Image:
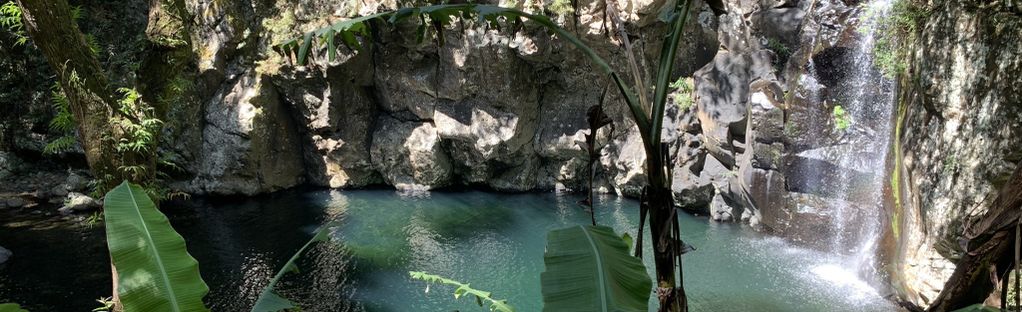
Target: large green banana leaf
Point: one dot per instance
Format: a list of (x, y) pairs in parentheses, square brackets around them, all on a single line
[(589, 268), (154, 270), (11, 307)]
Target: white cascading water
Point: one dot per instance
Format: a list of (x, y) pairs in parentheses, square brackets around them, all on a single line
[(856, 207)]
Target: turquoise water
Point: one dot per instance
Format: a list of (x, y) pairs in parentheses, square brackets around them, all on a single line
[(493, 241)]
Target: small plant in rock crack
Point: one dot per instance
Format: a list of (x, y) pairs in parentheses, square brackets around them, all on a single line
[(842, 120), (682, 94)]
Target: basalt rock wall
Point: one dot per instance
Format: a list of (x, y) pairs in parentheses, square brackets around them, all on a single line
[(960, 137)]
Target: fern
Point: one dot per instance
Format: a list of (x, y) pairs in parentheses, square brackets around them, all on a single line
[(60, 145), (63, 124), (10, 18), (464, 289), (93, 44)]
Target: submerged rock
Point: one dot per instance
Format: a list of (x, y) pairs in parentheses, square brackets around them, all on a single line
[(5, 255), (15, 202)]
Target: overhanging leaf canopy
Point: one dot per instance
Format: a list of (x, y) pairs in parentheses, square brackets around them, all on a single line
[(154, 270), (589, 268)]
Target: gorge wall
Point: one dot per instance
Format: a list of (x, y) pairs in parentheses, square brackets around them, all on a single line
[(959, 137), (753, 123)]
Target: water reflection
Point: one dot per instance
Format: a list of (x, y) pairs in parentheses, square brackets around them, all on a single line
[(493, 241)]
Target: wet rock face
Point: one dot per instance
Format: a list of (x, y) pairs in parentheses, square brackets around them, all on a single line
[(250, 144), (961, 135), (409, 155), (493, 108)]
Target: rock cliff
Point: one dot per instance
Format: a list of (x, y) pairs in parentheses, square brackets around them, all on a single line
[(959, 138)]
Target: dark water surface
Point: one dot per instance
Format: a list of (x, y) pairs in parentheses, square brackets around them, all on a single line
[(493, 241)]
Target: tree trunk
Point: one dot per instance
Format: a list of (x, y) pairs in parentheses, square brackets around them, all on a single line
[(666, 239), (53, 31), (990, 251)]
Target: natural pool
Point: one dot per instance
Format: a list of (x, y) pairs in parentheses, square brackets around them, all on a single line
[(493, 241)]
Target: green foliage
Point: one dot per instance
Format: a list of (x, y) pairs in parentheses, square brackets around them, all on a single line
[(779, 48), (682, 94), (139, 129), (93, 44), (10, 18), (62, 125), (154, 270), (11, 307), (93, 219), (561, 7), (106, 304), (589, 268), (464, 289), (950, 164), (842, 120), (269, 300), (895, 32), (1012, 292)]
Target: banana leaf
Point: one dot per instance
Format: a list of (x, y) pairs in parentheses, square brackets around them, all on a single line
[(154, 270), (11, 307), (589, 268)]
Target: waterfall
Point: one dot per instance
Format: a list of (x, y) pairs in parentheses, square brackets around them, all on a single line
[(863, 99)]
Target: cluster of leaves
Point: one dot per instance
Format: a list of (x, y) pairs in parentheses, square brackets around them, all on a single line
[(11, 307), (464, 289), (895, 31), (682, 94), (62, 125), (950, 164), (842, 120), (561, 7), (779, 48), (139, 130), (10, 18)]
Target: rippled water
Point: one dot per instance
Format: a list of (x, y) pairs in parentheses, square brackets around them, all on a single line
[(493, 241)]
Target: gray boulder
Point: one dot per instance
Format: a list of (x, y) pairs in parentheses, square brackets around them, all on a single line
[(408, 155), (720, 210), (250, 144), (9, 164), (78, 202)]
